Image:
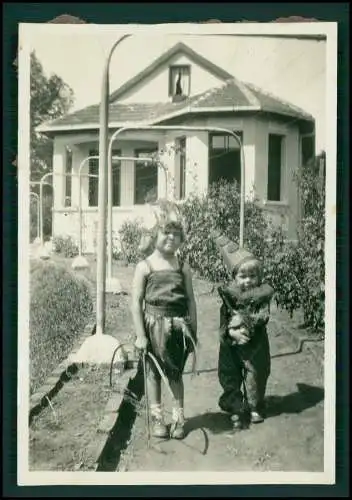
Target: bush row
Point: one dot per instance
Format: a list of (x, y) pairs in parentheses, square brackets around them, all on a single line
[(294, 269), (60, 305)]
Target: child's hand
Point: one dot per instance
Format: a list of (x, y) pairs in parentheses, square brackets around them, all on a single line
[(141, 343), (240, 336)]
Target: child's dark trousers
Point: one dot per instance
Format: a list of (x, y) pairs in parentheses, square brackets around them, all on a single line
[(243, 373)]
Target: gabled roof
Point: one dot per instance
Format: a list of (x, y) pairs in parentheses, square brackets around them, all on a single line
[(164, 58), (232, 96), (119, 115)]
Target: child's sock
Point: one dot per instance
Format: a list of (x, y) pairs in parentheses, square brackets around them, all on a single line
[(156, 411), (178, 415)]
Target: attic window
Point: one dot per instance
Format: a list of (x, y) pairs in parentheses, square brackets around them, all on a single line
[(179, 82)]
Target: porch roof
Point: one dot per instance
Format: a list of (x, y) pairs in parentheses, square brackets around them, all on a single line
[(232, 95)]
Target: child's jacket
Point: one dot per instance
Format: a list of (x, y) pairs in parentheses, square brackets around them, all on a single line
[(251, 305)]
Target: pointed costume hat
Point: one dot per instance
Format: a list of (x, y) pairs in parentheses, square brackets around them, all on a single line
[(232, 255)]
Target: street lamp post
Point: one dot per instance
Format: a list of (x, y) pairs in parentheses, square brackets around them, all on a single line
[(98, 348), (190, 129), (113, 284), (80, 262)]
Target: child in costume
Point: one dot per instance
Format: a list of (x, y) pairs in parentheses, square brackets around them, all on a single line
[(244, 354), (164, 313)]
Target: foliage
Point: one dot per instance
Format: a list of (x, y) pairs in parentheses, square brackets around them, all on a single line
[(51, 98), (219, 209), (297, 270), (130, 236), (65, 245), (283, 270), (311, 236), (60, 305)]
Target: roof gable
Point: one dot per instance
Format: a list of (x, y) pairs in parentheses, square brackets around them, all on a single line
[(179, 48)]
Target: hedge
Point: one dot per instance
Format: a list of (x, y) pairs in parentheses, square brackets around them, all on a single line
[(60, 305)]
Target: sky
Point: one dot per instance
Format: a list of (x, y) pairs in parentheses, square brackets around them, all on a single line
[(294, 70)]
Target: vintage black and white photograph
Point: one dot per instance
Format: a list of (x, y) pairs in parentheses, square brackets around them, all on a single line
[(177, 253)]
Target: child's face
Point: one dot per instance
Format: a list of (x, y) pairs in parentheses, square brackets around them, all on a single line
[(169, 239), (248, 275)]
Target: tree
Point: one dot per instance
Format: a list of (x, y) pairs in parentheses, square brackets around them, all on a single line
[(51, 98)]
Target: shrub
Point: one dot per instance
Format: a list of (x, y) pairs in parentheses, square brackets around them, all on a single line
[(60, 305), (130, 236), (283, 270), (311, 237), (65, 246), (297, 271), (219, 209)]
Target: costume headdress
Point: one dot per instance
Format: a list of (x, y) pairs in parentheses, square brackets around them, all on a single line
[(232, 255), (156, 216)]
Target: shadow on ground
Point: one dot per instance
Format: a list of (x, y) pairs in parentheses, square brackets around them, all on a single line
[(307, 396)]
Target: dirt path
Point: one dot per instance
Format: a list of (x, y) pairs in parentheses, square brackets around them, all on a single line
[(291, 438)]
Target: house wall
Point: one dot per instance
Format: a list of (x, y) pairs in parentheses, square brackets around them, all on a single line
[(255, 145), (156, 87), (284, 212)]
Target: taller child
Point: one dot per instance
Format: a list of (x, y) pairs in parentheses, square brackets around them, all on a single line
[(164, 314)]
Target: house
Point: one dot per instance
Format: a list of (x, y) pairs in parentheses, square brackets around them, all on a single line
[(181, 87)]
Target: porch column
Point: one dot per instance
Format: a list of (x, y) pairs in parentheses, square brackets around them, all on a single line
[(261, 159), (290, 188), (127, 178), (83, 153), (249, 150), (59, 157), (197, 163), (78, 155), (166, 187)]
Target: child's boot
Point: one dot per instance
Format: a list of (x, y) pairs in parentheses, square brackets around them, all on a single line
[(237, 421), (256, 417), (178, 425), (159, 428)]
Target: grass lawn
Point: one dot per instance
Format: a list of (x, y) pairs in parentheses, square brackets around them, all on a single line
[(59, 436)]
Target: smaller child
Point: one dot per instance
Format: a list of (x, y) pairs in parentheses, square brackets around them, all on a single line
[(244, 354)]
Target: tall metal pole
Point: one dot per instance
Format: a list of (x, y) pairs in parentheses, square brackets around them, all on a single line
[(188, 128), (103, 146)]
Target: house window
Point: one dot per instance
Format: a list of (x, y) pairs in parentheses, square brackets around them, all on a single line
[(224, 158), (179, 81), (146, 178), (94, 181), (275, 155), (307, 148), (68, 177)]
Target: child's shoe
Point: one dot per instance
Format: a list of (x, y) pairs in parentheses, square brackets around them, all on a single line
[(237, 421), (177, 430), (159, 429), (256, 417)]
